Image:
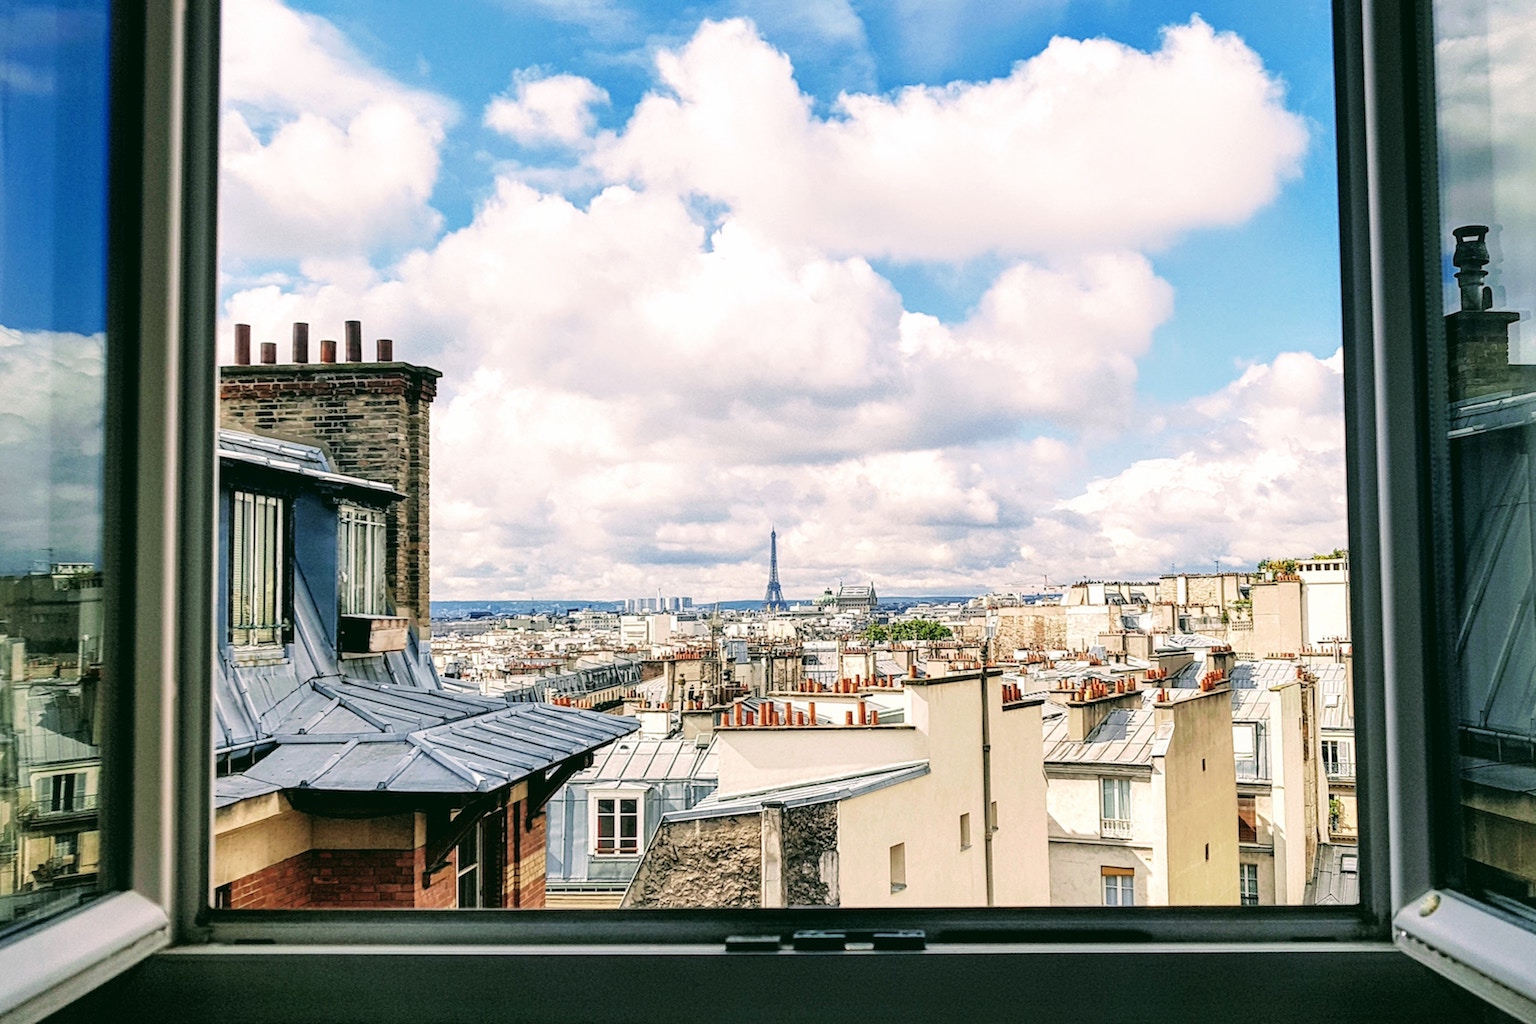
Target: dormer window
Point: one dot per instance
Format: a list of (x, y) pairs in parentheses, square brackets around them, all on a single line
[(360, 560), (256, 570)]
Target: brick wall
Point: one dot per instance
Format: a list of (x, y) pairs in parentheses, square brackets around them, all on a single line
[(356, 879), (281, 886), (443, 893), (523, 882), (374, 420)]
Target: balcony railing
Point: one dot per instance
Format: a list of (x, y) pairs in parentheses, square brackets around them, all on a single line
[(38, 811), (1339, 769), (1115, 828)]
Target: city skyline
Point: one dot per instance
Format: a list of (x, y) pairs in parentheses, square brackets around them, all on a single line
[(819, 267)]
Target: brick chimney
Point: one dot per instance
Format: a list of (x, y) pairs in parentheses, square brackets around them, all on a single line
[(372, 418)]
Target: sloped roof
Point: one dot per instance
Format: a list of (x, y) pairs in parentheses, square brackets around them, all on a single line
[(653, 760), (803, 794), (1124, 738), (288, 457), (1330, 884), (474, 754), (57, 729)]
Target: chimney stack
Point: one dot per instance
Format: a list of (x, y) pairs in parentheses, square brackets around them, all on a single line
[(374, 420), (386, 350)]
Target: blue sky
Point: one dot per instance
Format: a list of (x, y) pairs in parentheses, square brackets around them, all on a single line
[(53, 138), (695, 291)]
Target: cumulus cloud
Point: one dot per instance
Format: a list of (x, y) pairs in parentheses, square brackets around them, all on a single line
[(319, 152), (1090, 145), (552, 109), (50, 447), (1260, 475), (640, 383)]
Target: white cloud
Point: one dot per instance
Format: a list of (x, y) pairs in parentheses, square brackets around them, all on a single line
[(1260, 474), (1090, 145), (556, 108), (50, 447), (638, 385), (320, 153)]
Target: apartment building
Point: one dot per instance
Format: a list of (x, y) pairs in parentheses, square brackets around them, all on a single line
[(826, 800), (1141, 795)]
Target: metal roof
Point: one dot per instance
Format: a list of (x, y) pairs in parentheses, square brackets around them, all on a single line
[(287, 457), (231, 789), (57, 729), (1338, 713), (803, 794), (631, 760), (1125, 737), (474, 754), (1330, 883)]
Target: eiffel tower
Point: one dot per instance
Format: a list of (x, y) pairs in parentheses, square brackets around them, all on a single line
[(773, 600)]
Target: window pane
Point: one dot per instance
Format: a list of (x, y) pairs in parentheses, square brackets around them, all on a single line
[(749, 396), (53, 162), (1487, 114)]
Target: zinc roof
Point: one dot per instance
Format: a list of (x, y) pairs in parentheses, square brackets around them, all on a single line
[(285, 456), (1125, 737), (652, 760), (804, 794), (474, 754)]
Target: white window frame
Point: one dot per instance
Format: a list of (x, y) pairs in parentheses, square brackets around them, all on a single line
[(1119, 888), (594, 814), (1115, 795), (1248, 885), (1300, 958), (258, 552), (360, 555)]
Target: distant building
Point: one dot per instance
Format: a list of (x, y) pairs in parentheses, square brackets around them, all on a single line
[(1141, 796), (832, 804)]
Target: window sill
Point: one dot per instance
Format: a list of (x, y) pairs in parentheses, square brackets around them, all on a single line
[(48, 966), (1294, 981)]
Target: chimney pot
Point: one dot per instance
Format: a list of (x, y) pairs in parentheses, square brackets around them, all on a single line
[(301, 343), (385, 350), (327, 350), (354, 341), (243, 344), (268, 353)]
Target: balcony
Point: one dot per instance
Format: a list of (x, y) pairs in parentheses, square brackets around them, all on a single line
[(79, 807), (1337, 769), (1115, 828)]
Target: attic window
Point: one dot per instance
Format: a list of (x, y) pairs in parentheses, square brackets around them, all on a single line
[(256, 571), (360, 560)]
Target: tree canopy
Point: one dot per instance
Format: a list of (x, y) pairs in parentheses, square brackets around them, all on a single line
[(915, 629)]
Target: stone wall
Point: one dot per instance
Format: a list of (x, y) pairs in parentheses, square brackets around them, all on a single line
[(1035, 627), (810, 855), (373, 419), (709, 862)]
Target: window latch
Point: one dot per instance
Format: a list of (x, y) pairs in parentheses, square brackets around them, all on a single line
[(809, 941)]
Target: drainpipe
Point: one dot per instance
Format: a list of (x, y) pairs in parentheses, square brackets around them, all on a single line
[(989, 826)]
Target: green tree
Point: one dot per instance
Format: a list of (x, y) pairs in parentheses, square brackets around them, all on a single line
[(875, 633), (920, 629)]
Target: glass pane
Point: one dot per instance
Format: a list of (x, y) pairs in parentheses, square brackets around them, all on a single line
[(53, 165), (737, 381), (1487, 131)]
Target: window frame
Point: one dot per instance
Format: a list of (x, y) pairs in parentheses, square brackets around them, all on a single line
[(278, 588), (354, 520), (617, 794), (400, 964)]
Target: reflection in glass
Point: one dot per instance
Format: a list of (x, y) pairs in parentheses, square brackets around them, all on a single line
[(53, 148), (1487, 113)]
